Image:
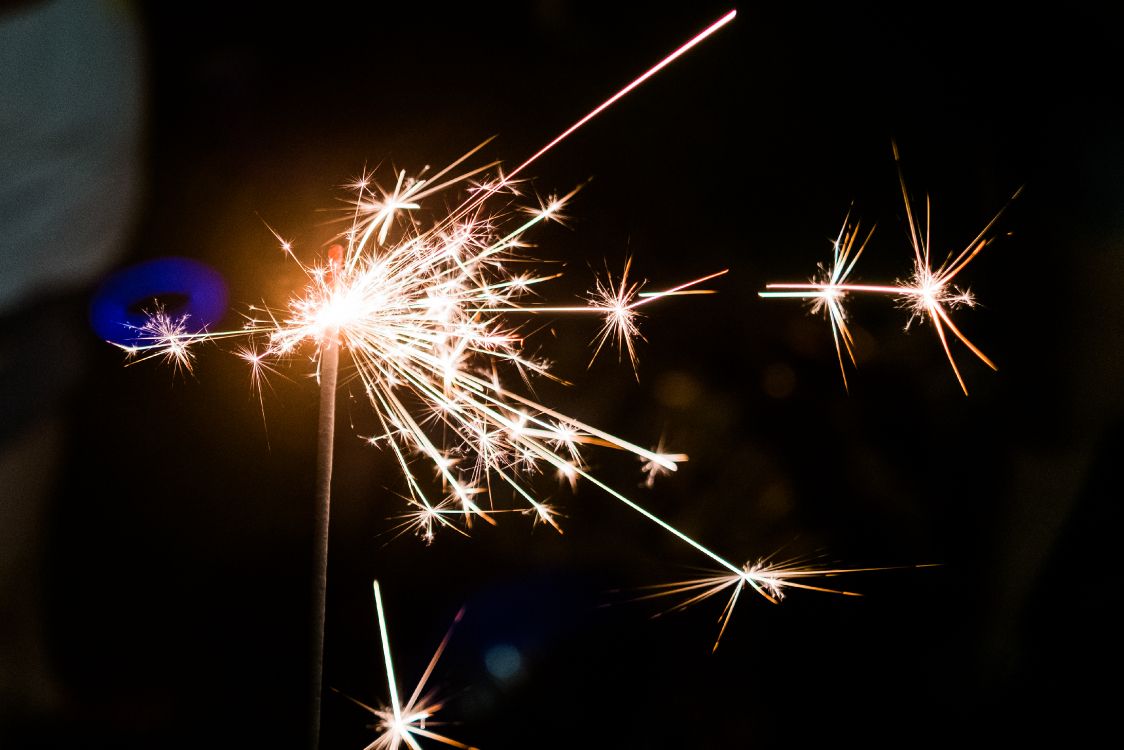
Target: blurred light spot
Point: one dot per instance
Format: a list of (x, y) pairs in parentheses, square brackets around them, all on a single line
[(181, 287), (504, 662), (677, 390), (778, 380)]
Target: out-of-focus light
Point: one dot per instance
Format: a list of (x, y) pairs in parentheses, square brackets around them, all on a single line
[(185, 290)]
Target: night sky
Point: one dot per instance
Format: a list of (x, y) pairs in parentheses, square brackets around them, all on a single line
[(177, 550)]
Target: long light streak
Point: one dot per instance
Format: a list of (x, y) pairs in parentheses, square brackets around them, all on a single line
[(402, 723), (697, 39)]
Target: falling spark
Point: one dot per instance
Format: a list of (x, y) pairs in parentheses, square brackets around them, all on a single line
[(928, 294), (404, 723)]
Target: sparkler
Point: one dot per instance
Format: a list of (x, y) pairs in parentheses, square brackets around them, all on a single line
[(928, 294), (424, 310), (424, 318), (403, 723), (427, 315)]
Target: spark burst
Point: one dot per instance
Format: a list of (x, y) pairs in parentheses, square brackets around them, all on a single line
[(428, 321), (403, 723), (426, 312), (165, 336), (928, 294), (768, 578)]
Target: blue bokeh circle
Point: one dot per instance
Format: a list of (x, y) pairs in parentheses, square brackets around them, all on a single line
[(123, 303)]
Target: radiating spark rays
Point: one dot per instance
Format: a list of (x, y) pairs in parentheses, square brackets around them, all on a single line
[(425, 310), (620, 317), (619, 301), (166, 337), (401, 723), (408, 312), (767, 578), (830, 290), (928, 294), (427, 356)]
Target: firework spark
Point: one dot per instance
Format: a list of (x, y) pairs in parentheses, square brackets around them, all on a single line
[(830, 290), (404, 723), (928, 294), (430, 314), (165, 336), (766, 577)]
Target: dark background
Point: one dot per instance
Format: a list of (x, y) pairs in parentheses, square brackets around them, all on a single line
[(179, 540)]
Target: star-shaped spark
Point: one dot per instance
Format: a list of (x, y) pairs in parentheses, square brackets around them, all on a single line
[(829, 290), (165, 336), (402, 724), (770, 579), (431, 323), (929, 293)]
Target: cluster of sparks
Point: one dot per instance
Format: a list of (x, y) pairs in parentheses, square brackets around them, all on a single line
[(431, 321), (928, 294), (432, 315), (428, 321)]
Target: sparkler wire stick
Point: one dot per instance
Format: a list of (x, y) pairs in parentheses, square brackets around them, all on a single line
[(325, 448)]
